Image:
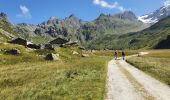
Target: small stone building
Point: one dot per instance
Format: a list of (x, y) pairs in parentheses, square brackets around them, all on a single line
[(19, 41), (59, 41)]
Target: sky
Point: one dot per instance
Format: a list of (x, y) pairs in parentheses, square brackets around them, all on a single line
[(37, 11)]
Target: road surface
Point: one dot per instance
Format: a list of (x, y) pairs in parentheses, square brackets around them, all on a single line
[(125, 82)]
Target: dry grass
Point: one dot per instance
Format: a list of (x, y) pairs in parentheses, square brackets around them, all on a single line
[(30, 77)]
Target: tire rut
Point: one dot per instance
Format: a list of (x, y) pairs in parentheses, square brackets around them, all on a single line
[(138, 87)]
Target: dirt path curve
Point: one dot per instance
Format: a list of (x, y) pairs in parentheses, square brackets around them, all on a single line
[(125, 82)]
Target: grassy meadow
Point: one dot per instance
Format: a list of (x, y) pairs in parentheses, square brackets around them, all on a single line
[(156, 64), (29, 77)]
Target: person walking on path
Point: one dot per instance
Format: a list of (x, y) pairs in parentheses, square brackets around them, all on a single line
[(123, 55), (116, 54)]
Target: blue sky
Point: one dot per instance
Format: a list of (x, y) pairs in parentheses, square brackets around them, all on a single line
[(36, 11)]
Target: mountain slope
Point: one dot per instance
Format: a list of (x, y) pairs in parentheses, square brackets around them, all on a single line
[(6, 28), (110, 24), (156, 36)]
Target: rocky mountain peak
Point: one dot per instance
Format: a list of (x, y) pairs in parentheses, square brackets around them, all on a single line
[(53, 21), (72, 16), (3, 15), (73, 21), (157, 15), (53, 18), (102, 15), (128, 15)]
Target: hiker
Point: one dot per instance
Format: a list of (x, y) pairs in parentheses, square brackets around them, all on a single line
[(123, 55), (116, 54)]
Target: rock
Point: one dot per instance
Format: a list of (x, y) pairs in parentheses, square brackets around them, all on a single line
[(82, 48), (14, 51), (52, 57), (85, 55), (75, 53), (93, 51)]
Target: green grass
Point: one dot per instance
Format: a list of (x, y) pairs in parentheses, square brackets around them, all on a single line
[(156, 64), (41, 39), (29, 77)]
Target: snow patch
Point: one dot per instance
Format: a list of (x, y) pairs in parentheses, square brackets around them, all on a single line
[(145, 19)]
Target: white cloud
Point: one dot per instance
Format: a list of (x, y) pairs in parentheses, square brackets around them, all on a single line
[(105, 4), (166, 3), (25, 13)]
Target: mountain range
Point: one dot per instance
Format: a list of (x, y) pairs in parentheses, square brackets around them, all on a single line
[(76, 29), (123, 30)]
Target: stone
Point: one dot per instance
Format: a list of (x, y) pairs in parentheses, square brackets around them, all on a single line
[(82, 48), (13, 51), (85, 55), (52, 57), (75, 53), (93, 51)]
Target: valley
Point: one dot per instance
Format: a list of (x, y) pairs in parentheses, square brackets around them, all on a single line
[(68, 58)]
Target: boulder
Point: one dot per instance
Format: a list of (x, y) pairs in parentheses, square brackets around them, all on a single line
[(93, 51), (82, 48), (75, 53), (13, 51), (85, 55), (52, 57)]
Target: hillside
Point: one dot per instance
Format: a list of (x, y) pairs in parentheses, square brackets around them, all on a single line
[(6, 28), (110, 24), (156, 36)]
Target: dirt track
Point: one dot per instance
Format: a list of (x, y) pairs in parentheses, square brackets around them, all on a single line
[(125, 82)]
